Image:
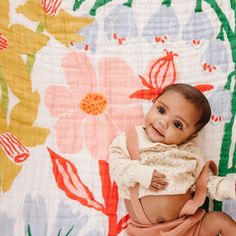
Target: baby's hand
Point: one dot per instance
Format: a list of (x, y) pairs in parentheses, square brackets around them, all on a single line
[(158, 181)]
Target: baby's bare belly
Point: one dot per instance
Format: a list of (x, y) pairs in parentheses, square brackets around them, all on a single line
[(161, 208)]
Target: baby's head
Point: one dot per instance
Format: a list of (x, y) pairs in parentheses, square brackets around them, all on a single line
[(177, 114)]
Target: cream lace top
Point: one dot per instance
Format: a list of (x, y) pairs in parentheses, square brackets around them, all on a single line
[(180, 164)]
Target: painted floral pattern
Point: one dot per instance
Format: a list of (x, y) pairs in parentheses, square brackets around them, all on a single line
[(69, 181), (68, 222), (162, 27), (62, 26), (198, 29), (17, 121), (90, 34), (120, 25), (75, 73), (160, 73), (215, 57), (35, 215), (51, 7), (229, 207), (36, 218), (7, 224), (220, 102), (13, 148), (89, 104)]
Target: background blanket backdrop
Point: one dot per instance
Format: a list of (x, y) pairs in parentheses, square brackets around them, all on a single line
[(75, 73)]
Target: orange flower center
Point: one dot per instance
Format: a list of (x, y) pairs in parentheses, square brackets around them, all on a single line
[(93, 103)]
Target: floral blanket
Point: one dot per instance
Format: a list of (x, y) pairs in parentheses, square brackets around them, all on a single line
[(75, 73)]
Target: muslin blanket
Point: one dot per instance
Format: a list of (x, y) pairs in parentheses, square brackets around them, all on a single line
[(73, 74)]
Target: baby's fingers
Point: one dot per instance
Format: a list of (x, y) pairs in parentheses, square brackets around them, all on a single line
[(158, 174), (158, 180), (156, 186)]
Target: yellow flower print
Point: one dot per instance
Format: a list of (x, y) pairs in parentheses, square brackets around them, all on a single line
[(19, 122), (19, 40), (62, 26), (8, 172)]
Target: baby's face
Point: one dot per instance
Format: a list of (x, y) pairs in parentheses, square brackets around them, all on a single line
[(171, 119)]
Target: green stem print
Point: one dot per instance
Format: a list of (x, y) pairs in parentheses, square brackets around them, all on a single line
[(198, 7), (97, 4), (227, 144), (68, 233), (28, 231), (220, 36), (70, 230), (128, 3), (77, 4), (31, 58), (4, 94), (166, 3)]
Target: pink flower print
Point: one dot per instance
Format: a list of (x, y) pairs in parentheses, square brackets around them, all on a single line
[(215, 57), (90, 113), (220, 102), (120, 25), (50, 7), (197, 30), (162, 26)]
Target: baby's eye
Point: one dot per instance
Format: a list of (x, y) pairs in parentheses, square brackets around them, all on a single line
[(161, 110), (178, 125)]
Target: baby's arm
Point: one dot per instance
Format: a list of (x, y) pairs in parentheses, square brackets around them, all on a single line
[(127, 172), (221, 188), (218, 187)]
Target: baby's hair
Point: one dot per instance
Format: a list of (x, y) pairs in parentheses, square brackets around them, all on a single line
[(196, 97)]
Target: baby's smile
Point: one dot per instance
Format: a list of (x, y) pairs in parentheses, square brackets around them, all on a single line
[(158, 131)]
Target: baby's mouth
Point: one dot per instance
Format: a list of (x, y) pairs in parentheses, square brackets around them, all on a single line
[(158, 132)]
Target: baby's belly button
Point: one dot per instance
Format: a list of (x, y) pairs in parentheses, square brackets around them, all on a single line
[(160, 209)]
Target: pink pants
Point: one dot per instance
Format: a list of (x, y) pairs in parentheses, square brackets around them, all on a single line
[(184, 226)]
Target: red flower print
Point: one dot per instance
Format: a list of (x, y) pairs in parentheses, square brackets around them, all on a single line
[(3, 42), (68, 180), (50, 6), (161, 72), (13, 148)]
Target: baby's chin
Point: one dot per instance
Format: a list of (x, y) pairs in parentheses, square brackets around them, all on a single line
[(154, 138)]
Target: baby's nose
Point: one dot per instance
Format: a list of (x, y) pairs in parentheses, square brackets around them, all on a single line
[(163, 123)]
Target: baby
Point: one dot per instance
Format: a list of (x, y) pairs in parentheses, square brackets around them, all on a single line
[(157, 168)]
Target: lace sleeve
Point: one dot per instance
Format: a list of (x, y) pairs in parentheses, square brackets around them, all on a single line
[(221, 188), (127, 172), (218, 188)]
